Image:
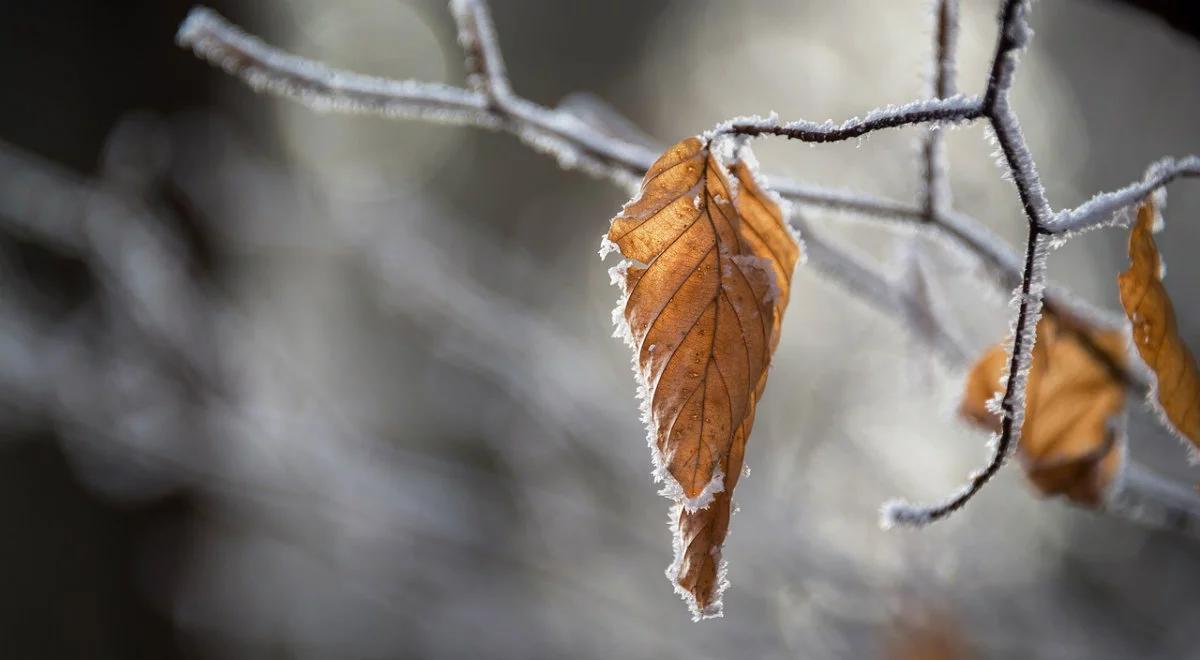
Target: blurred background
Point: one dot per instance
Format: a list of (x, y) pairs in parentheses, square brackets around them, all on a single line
[(277, 384)]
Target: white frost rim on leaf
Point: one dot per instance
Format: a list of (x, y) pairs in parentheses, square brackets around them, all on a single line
[(1148, 375), (671, 488)]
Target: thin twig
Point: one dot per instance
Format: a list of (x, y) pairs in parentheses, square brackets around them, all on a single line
[(936, 197), (936, 192), (269, 69), (951, 109), (477, 35), (1101, 209)]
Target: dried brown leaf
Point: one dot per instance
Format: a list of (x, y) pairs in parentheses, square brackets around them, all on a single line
[(704, 287), (1068, 444), (1155, 333)]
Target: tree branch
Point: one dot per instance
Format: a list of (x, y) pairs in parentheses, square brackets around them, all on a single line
[(936, 192), (952, 109), (268, 69), (1144, 497), (1100, 210), (477, 36)]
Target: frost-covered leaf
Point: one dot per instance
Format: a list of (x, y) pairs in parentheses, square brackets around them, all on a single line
[(1068, 443), (1155, 334), (704, 285)]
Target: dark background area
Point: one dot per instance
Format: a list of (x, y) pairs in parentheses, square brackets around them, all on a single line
[(71, 564)]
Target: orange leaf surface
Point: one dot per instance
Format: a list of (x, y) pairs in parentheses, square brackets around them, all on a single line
[(1068, 446), (704, 286), (1155, 334)]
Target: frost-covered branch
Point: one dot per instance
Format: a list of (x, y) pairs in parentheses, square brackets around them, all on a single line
[(948, 110), (322, 88), (477, 36), (945, 48), (1099, 210), (936, 190), (1012, 402), (1014, 36), (556, 132), (935, 211)]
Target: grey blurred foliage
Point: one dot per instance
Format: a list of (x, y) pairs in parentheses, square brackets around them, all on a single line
[(374, 356)]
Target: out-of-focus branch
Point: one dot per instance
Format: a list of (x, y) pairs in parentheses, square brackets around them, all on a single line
[(860, 277), (477, 36), (1141, 495), (139, 262), (936, 190)]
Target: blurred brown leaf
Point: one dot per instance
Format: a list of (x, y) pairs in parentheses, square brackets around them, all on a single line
[(704, 294), (1068, 445), (1155, 333), (926, 634)]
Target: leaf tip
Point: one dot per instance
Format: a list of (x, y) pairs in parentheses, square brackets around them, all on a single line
[(704, 598)]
